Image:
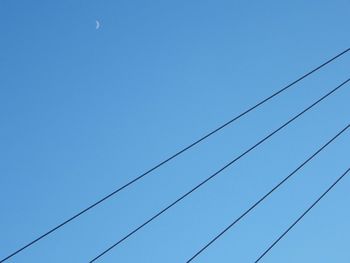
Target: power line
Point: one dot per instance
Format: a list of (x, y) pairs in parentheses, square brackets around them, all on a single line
[(174, 156), (301, 217), (267, 194), (219, 171)]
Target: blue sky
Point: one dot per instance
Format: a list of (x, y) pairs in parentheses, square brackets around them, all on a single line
[(83, 111)]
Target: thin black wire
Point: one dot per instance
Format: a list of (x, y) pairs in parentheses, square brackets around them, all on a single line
[(175, 155), (267, 194), (219, 171), (301, 217)]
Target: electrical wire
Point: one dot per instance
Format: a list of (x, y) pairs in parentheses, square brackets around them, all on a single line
[(251, 208), (173, 156), (220, 170), (302, 216)]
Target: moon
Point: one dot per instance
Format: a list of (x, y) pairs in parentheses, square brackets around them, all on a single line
[(98, 24)]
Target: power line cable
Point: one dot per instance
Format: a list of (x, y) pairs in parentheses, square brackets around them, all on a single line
[(174, 156), (219, 171), (302, 216), (251, 208)]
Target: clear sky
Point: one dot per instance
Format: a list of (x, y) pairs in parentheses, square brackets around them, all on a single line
[(83, 111)]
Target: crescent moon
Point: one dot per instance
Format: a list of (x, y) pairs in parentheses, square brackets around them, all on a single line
[(97, 24)]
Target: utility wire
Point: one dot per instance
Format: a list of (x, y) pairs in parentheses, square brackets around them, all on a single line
[(302, 216), (175, 155), (267, 194), (219, 171)]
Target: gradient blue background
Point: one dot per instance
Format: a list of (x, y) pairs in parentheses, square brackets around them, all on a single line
[(83, 111)]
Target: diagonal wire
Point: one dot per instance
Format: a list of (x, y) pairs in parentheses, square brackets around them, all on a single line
[(267, 194), (220, 170), (174, 156), (302, 216)]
